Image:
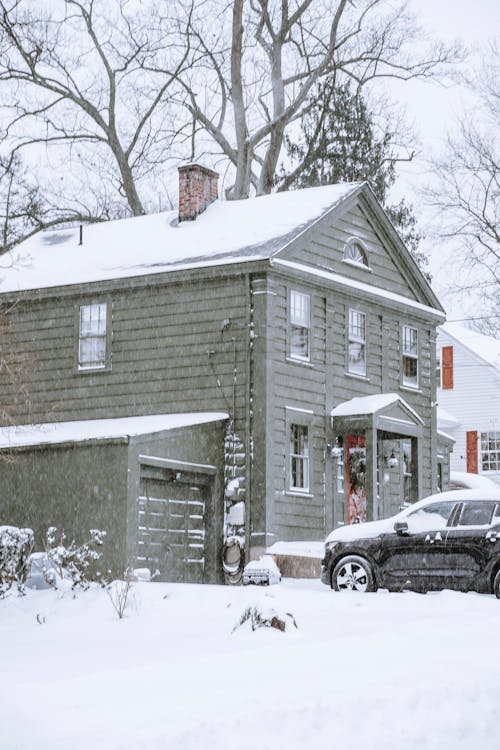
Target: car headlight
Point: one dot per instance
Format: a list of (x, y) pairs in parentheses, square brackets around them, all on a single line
[(329, 546)]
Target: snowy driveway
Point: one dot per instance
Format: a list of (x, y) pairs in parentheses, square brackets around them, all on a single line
[(361, 671)]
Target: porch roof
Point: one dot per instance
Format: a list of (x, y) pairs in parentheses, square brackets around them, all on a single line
[(381, 411)]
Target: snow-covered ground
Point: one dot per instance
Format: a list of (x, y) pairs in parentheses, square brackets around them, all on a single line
[(363, 671)]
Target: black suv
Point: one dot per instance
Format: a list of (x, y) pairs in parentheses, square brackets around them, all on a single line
[(447, 541)]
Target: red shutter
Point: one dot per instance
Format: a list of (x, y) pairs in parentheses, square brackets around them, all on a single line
[(447, 367), (471, 450)]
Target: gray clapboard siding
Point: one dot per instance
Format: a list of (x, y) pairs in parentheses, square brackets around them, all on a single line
[(325, 245), (160, 341)]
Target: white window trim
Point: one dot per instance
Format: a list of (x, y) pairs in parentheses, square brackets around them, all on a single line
[(487, 451), (295, 357), (364, 251), (89, 366), (357, 340), (410, 385), (304, 417), (305, 457)]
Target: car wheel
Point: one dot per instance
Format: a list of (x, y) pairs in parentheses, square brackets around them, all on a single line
[(496, 585), (353, 573)]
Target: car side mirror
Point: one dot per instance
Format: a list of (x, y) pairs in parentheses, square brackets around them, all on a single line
[(401, 528)]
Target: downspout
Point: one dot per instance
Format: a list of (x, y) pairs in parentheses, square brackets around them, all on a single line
[(248, 415)]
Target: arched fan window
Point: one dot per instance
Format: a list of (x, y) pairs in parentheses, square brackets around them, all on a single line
[(354, 252)]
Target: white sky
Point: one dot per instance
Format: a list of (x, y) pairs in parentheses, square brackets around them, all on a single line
[(433, 109)]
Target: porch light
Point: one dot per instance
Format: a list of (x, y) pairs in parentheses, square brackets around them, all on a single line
[(337, 450), (392, 461)]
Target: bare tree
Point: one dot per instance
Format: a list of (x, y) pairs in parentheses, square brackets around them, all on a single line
[(467, 190), (93, 78), (24, 208), (263, 68), (469, 175)]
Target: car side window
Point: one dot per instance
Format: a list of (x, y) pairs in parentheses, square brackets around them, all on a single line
[(431, 518), (476, 514)]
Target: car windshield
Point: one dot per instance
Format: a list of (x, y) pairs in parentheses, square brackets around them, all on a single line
[(433, 517)]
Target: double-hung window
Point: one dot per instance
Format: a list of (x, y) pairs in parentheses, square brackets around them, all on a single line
[(490, 450), (357, 343), (92, 336), (300, 325), (410, 356), (299, 457)]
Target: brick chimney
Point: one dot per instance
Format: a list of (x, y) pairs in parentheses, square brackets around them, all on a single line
[(197, 189)]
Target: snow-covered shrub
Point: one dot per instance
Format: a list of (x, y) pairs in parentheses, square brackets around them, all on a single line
[(15, 549), (259, 617), (71, 559)]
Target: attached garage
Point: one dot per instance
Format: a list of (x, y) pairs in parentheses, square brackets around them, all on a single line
[(154, 484), (175, 518)]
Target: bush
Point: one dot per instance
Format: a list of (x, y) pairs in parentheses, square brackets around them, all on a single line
[(74, 561), (15, 549)]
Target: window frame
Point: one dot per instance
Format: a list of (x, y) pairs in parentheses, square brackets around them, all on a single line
[(105, 336), (485, 440), (353, 339), (301, 418), (356, 241), (306, 325), (408, 354)]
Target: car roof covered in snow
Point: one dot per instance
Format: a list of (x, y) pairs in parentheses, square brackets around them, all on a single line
[(371, 529)]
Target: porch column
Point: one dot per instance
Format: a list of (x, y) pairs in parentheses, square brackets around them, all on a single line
[(372, 510)]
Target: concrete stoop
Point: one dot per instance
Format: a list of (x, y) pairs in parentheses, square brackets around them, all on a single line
[(297, 566)]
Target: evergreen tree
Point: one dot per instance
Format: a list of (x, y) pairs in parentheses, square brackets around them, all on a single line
[(339, 142)]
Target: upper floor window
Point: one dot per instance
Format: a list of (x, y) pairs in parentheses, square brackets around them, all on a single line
[(92, 336), (357, 342), (300, 325), (410, 356), (299, 457), (355, 253)]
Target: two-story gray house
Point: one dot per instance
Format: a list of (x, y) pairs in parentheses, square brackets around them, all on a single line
[(234, 374)]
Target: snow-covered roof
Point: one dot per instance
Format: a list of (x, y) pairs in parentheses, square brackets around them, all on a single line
[(486, 347), (234, 231), (446, 420), (361, 286), (474, 481), (100, 429), (371, 405)]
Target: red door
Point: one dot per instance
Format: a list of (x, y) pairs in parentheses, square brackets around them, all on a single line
[(356, 478)]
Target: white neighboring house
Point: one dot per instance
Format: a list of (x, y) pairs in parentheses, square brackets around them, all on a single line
[(469, 398)]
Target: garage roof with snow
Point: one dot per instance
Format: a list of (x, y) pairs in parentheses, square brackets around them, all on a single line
[(52, 433)]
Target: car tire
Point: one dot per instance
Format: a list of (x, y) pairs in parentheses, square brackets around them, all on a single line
[(353, 573), (496, 585)]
